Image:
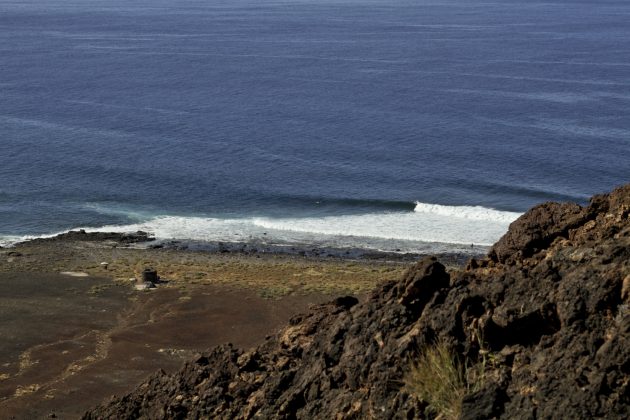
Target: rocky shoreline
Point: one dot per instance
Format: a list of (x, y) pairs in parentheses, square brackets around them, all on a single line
[(83, 236), (544, 319), (147, 240)]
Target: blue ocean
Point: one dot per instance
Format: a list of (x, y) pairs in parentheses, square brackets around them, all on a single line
[(380, 124)]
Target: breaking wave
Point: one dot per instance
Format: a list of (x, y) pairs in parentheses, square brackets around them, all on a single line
[(428, 228), (467, 212)]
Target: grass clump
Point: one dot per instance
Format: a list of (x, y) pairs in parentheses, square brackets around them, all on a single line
[(441, 379)]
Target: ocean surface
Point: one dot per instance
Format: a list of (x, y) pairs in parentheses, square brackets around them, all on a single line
[(379, 124)]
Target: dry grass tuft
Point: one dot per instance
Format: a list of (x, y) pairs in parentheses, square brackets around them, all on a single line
[(441, 380)]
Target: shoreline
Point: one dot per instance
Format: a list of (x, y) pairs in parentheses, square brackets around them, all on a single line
[(144, 240), (429, 229), (112, 336), (270, 270)]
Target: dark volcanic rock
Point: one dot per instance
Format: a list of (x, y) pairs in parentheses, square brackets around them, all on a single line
[(536, 229), (82, 235), (421, 282), (550, 304)]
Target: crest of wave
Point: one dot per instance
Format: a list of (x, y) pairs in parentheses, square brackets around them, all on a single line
[(467, 212)]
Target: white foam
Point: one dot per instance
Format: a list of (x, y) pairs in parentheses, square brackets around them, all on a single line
[(428, 223), (467, 212), (10, 240), (411, 231), (422, 230)]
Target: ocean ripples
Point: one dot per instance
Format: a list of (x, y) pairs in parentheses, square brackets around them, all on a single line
[(387, 125)]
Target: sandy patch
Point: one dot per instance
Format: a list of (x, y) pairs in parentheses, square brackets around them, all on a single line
[(74, 274)]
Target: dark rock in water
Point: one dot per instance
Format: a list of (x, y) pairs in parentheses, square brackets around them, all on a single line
[(82, 235), (547, 315)]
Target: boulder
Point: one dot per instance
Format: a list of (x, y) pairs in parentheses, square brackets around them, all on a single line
[(537, 229)]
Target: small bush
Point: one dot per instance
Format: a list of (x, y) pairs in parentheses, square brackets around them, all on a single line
[(441, 380)]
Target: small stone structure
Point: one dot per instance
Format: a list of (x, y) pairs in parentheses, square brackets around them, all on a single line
[(147, 279), (149, 275)]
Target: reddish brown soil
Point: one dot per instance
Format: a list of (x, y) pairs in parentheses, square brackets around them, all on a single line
[(68, 343)]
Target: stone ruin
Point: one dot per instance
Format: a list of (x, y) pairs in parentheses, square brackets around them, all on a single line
[(147, 280)]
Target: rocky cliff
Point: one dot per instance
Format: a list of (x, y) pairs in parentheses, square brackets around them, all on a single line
[(546, 316)]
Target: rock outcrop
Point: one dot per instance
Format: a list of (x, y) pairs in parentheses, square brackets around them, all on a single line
[(83, 236), (547, 312)]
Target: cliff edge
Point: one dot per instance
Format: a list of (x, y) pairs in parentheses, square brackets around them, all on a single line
[(544, 318)]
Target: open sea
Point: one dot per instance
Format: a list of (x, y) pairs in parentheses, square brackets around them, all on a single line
[(418, 126)]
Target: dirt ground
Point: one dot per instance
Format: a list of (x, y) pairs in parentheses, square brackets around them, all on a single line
[(69, 342), (66, 348)]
